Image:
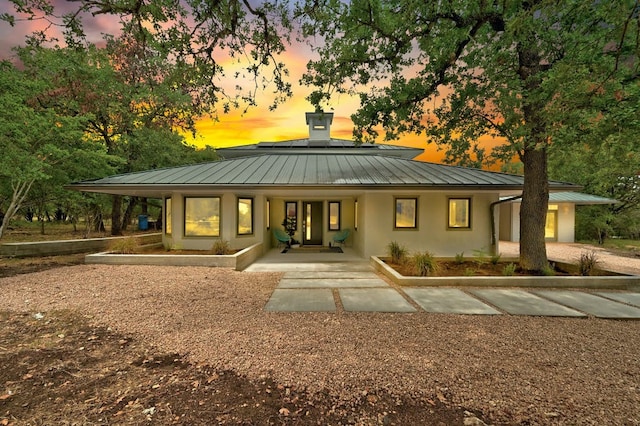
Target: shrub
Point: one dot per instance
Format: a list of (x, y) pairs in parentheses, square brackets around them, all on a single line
[(221, 247), (397, 253), (509, 270), (587, 263), (495, 259), (425, 264), (459, 259), (548, 271), (469, 272), (123, 245)]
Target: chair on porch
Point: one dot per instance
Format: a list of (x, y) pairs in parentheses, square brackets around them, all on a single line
[(281, 236), (341, 237)]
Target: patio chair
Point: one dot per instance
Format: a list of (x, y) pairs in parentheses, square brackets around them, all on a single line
[(281, 236), (341, 237)]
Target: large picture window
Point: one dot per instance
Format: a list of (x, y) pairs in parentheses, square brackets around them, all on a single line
[(459, 213), (334, 215), (406, 214), (245, 216), (167, 216), (202, 217)]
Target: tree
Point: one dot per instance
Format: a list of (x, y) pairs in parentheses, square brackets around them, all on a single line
[(36, 143), (459, 70)]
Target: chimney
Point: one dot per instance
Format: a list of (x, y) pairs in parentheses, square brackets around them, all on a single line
[(319, 125)]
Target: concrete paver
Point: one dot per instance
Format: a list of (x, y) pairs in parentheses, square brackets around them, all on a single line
[(591, 304), (520, 302), (331, 283), (330, 274), (308, 300), (373, 300), (449, 300), (629, 298)]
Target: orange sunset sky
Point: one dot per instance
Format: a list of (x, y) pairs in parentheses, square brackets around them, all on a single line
[(237, 127)]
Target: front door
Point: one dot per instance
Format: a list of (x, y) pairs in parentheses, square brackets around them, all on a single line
[(551, 226), (312, 223)]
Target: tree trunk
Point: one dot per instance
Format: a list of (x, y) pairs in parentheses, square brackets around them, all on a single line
[(116, 215), (126, 220), (533, 211)]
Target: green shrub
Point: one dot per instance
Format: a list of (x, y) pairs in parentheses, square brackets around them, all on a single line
[(495, 259), (587, 263), (425, 264), (127, 245), (480, 256), (397, 253), (459, 259), (548, 271), (221, 247), (509, 270), (469, 272)]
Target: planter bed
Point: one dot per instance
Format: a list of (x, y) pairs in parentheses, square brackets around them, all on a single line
[(613, 281), (237, 261)]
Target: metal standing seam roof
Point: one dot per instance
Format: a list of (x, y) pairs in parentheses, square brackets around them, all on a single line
[(311, 170), (576, 198)]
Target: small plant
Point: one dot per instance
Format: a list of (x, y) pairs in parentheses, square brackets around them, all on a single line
[(480, 256), (587, 263), (459, 259), (509, 270), (127, 245), (397, 253), (425, 264), (548, 271), (469, 272), (221, 247), (495, 259)]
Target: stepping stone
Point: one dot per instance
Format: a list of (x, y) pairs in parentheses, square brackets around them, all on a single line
[(331, 283), (449, 301), (520, 302), (329, 274), (629, 298), (304, 300), (592, 304), (374, 300)]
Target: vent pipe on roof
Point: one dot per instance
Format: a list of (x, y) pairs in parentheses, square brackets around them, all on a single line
[(319, 125)]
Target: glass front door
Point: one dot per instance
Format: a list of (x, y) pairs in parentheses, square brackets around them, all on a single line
[(312, 223)]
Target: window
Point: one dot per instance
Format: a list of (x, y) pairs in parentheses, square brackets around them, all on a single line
[(268, 218), (202, 217), (459, 213), (245, 216), (291, 216), (167, 216), (334, 215), (406, 213)]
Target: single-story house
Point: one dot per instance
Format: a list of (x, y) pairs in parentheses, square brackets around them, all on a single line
[(561, 216), (324, 186)]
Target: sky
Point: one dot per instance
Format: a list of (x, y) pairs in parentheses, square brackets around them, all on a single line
[(237, 127)]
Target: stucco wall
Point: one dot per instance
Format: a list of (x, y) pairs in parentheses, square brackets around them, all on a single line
[(432, 233), (565, 228)]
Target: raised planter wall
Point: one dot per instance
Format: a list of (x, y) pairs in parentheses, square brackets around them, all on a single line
[(237, 261), (620, 282), (54, 248)]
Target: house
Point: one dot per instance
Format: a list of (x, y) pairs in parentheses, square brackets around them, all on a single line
[(324, 185), (561, 214)]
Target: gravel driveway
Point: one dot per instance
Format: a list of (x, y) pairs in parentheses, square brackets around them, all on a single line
[(513, 370)]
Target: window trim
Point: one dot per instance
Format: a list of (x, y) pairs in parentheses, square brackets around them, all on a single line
[(469, 213), (184, 220), (268, 212), (238, 199), (395, 213), (329, 203), (355, 215), (167, 220)]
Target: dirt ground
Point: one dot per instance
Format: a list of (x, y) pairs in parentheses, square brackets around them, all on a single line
[(57, 368)]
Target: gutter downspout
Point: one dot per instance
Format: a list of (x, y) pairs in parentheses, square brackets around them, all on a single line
[(492, 216)]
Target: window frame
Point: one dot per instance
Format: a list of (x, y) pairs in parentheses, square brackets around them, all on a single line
[(395, 213), (294, 206), (252, 204), (355, 215), (184, 222), (339, 224), (167, 215), (268, 212), (469, 214)]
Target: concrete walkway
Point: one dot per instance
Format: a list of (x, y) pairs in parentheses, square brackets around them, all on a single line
[(344, 282)]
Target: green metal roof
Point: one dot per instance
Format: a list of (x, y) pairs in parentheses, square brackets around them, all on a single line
[(307, 171), (575, 197)]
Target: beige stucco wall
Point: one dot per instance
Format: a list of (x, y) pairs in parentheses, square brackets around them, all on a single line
[(432, 233), (565, 226)]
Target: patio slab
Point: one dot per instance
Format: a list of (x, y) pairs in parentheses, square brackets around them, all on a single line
[(331, 283), (301, 300), (592, 304), (374, 300), (449, 301), (520, 302), (329, 274), (629, 298)]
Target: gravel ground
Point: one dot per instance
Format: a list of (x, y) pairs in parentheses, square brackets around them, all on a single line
[(512, 370), (570, 252)]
